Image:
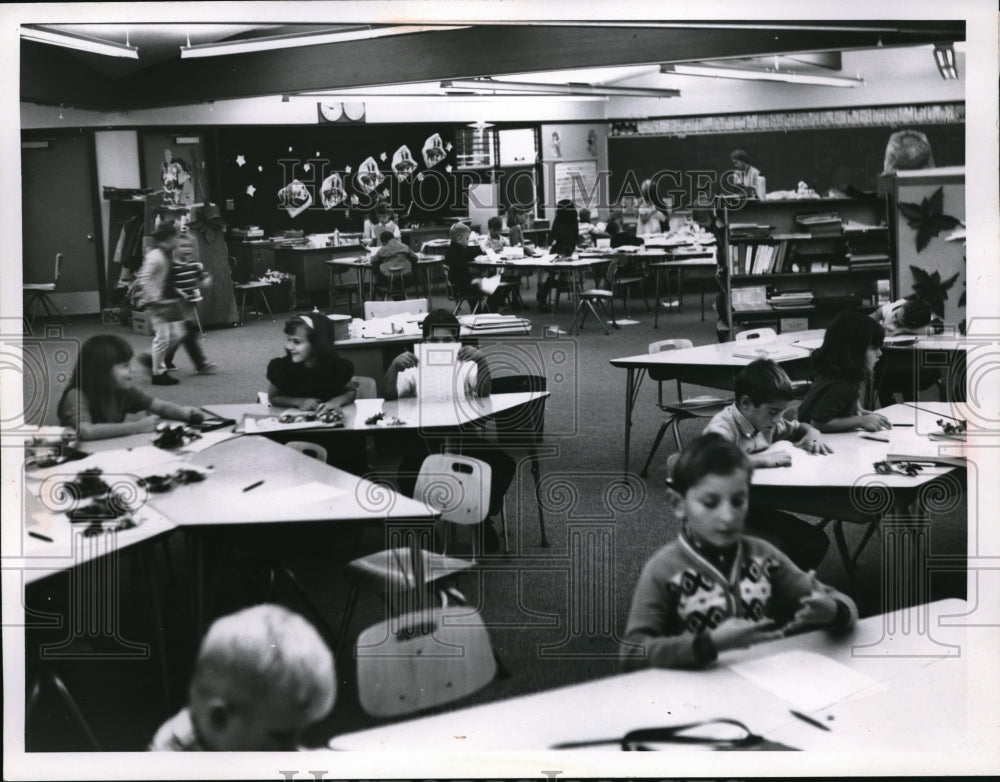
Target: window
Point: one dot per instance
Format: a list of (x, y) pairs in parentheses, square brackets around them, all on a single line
[(518, 147), (475, 147)]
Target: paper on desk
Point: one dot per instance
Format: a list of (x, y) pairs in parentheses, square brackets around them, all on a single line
[(808, 344), (143, 460), (807, 680), (289, 496)]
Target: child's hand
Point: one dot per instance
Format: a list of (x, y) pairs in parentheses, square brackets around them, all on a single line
[(147, 424), (193, 415), (813, 445), (469, 353), (776, 459), (874, 422), (815, 609), (404, 361), (739, 633), (326, 407), (309, 404)]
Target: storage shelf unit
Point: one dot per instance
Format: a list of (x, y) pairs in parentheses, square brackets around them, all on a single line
[(834, 254)]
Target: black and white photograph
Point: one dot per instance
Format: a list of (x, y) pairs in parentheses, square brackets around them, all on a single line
[(657, 411)]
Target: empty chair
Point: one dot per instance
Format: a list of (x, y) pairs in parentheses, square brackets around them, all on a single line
[(309, 449), (621, 278), (423, 659), (593, 302), (698, 407), (459, 488), (383, 309), (760, 335), (255, 288), (36, 293)]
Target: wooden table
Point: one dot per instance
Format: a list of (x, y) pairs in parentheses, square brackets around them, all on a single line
[(888, 686), (715, 365)]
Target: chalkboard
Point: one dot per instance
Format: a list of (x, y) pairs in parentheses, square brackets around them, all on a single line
[(823, 158)]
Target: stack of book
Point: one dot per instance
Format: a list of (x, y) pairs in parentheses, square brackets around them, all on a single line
[(749, 232), (821, 223), (792, 300)]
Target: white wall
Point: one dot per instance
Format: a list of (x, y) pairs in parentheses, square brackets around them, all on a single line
[(572, 146), (117, 166)]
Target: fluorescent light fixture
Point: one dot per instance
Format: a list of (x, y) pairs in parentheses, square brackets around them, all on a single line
[(292, 40), (944, 56), (186, 139), (571, 88), (438, 97), (45, 145), (83, 43), (750, 74)]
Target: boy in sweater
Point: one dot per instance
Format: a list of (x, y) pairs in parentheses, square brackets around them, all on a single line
[(714, 589), (187, 275)]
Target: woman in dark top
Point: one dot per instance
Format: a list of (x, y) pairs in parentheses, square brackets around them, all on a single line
[(565, 233), (311, 375)]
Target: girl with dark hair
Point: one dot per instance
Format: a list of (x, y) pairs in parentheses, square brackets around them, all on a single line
[(100, 394), (565, 232), (845, 364), (311, 375)]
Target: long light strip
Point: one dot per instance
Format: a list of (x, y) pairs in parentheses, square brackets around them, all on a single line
[(305, 39), (81, 43), (429, 97), (749, 74), (572, 88)]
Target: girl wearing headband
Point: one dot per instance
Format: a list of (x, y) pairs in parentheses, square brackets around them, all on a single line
[(311, 375)]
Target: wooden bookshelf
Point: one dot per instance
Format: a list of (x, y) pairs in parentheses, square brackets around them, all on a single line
[(817, 256)]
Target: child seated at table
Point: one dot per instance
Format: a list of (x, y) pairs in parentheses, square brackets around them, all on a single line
[(467, 286), (565, 232), (262, 676), (393, 255), (494, 241), (100, 400), (585, 229), (311, 375), (753, 422), (845, 365), (402, 379), (714, 588), (894, 373), (382, 222)]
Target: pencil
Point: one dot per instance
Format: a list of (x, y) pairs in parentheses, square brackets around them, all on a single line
[(876, 439), (255, 485), (806, 718)]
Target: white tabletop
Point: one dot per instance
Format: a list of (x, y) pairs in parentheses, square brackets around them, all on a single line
[(817, 674), (729, 354)]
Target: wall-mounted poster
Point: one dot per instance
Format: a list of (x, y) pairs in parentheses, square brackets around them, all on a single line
[(368, 176), (576, 181), (433, 150), (178, 185), (403, 163), (332, 192)]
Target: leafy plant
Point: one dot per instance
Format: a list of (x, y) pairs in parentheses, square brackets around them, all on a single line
[(927, 218), (932, 289)]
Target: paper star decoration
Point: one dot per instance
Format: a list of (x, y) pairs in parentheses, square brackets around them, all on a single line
[(448, 146), (354, 200), (347, 169), (420, 177), (251, 190), (385, 193), (260, 168), (383, 157), (290, 149), (241, 161), (306, 167), (317, 153), (448, 168)]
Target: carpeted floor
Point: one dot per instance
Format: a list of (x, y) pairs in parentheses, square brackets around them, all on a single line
[(554, 614)]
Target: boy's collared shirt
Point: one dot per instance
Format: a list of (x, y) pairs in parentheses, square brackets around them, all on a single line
[(734, 426)]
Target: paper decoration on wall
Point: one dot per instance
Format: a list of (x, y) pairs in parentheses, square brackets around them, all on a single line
[(592, 143), (294, 198), (403, 163), (383, 157), (178, 187), (251, 190), (369, 177), (448, 168), (332, 191), (307, 167), (260, 169), (448, 146), (433, 151), (241, 161), (355, 200)]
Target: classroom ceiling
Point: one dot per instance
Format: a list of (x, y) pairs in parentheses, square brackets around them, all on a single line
[(53, 74)]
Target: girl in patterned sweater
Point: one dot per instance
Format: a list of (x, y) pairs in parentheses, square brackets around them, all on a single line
[(714, 588)]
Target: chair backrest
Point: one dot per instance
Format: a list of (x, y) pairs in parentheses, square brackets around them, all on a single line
[(367, 387), (678, 343), (759, 335), (309, 449), (398, 265), (611, 274), (58, 269), (423, 659), (527, 422), (263, 398), (382, 309), (456, 486)]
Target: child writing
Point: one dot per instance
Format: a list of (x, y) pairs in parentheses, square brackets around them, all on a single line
[(515, 226), (565, 232), (493, 241), (395, 257), (382, 222), (895, 372), (844, 366), (457, 258), (753, 422), (714, 588), (100, 397), (311, 375), (262, 676)]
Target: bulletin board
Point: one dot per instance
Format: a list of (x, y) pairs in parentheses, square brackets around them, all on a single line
[(576, 181)]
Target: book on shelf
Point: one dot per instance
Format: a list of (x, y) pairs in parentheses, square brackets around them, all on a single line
[(855, 226), (749, 298)]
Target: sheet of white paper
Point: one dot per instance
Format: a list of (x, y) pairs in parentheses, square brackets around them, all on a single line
[(141, 461), (436, 363), (808, 344), (304, 494), (807, 680)]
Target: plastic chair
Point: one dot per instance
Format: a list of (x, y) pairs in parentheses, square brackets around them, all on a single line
[(396, 271), (309, 449), (345, 281), (623, 279), (423, 659), (760, 335), (383, 309), (465, 297), (459, 488), (38, 293), (523, 428), (698, 407), (590, 302)]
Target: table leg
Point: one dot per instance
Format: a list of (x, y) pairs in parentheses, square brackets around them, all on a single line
[(657, 304), (632, 382)]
